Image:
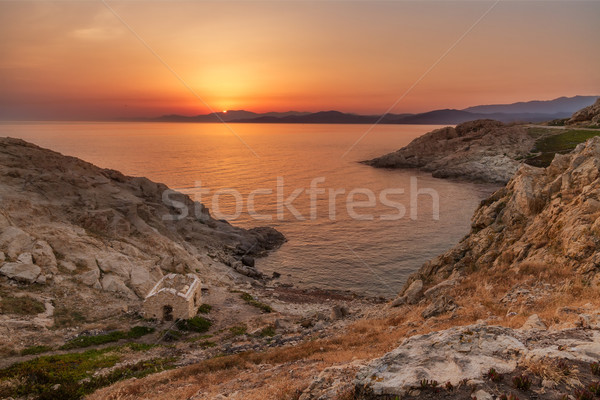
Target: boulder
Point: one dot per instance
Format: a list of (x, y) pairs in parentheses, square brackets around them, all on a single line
[(447, 356), (90, 277), (339, 312), (114, 263), (439, 306), (21, 272), (414, 292), (440, 288), (25, 258), (534, 322), (248, 260), (143, 279), (43, 255), (112, 283), (15, 241)]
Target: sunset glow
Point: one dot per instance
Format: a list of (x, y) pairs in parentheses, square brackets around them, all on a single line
[(79, 60)]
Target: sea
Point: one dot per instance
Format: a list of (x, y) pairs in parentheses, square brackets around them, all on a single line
[(348, 226)]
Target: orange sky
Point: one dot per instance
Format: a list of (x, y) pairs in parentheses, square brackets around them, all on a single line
[(76, 59)]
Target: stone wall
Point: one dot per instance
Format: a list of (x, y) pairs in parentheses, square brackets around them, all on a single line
[(182, 308)]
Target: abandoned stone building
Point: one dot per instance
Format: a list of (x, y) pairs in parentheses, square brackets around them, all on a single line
[(175, 296)]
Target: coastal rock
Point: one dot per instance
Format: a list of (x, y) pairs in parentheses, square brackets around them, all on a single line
[(414, 292), (440, 305), (467, 353), (107, 230), (590, 115), (22, 272), (440, 288), (482, 150), (511, 229)]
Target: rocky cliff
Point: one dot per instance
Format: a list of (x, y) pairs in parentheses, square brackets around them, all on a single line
[(588, 115), (544, 217), (534, 248), (66, 222), (482, 150)]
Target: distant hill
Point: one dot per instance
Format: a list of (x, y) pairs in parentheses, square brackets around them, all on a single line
[(559, 105), (229, 116), (531, 111)]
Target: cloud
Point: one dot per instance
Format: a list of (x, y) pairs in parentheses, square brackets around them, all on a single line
[(102, 27), (97, 34)]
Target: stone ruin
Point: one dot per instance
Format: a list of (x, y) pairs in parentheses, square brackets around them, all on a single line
[(174, 297)]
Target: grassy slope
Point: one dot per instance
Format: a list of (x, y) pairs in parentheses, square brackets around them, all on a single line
[(550, 143)]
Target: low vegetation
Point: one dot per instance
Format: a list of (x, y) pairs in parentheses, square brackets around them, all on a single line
[(87, 341), (64, 316), (204, 308), (24, 305), (549, 144), (71, 376), (238, 330), (247, 297), (522, 382), (267, 331), (35, 350), (196, 324)]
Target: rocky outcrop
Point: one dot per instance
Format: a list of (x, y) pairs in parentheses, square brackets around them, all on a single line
[(62, 218), (587, 115), (482, 150), (466, 354), (543, 220)]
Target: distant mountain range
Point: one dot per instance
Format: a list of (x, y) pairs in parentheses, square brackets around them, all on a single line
[(530, 111)]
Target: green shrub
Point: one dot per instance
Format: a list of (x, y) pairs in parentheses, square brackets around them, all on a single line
[(267, 331), (86, 341), (522, 382), (493, 375), (139, 331), (253, 302), (35, 350), (204, 308), (196, 324), (38, 376), (238, 330)]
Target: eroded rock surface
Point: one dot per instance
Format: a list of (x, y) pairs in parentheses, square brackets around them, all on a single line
[(62, 219), (544, 220), (587, 115), (482, 150), (467, 353)]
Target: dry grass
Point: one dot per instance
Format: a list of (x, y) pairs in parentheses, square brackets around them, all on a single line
[(552, 370), (266, 375)]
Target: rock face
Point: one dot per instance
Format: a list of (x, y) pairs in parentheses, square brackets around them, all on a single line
[(543, 220), (589, 115), (467, 353), (62, 218), (482, 150)]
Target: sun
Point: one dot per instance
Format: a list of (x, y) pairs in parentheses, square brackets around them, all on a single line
[(224, 111)]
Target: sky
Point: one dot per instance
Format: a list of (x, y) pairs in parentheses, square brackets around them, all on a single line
[(94, 60)]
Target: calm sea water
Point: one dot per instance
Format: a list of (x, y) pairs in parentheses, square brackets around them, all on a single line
[(367, 255)]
